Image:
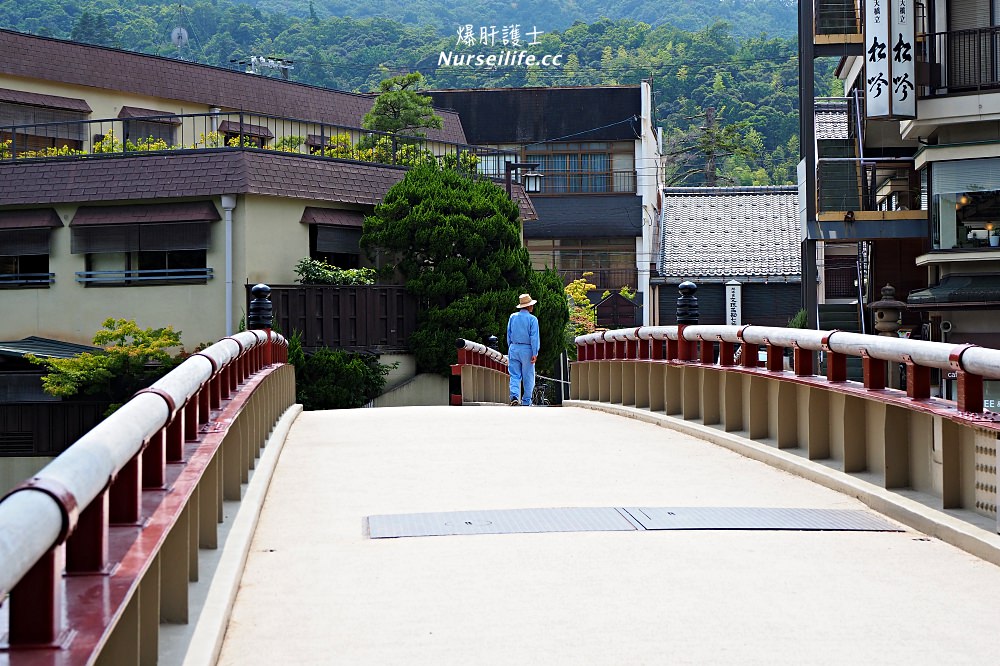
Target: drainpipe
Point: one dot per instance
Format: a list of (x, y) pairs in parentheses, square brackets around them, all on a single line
[(215, 111), (228, 204)]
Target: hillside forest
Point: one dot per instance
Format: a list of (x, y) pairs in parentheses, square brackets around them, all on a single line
[(725, 97)]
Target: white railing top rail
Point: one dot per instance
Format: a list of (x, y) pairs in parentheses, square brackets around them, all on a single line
[(479, 348), (974, 360), (32, 519)]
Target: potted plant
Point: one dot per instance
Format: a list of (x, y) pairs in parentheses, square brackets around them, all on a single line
[(994, 234)]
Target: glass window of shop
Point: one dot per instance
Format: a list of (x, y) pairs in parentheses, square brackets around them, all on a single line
[(966, 204)]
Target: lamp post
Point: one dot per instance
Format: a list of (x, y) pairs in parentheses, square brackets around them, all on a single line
[(532, 180)]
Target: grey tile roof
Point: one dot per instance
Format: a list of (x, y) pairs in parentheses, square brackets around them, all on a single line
[(43, 347), (202, 173), (125, 71), (729, 232), (831, 121), (587, 216)]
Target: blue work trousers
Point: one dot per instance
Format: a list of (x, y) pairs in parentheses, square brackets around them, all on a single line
[(521, 370)]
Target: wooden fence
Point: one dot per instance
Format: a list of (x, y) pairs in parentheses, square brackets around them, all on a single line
[(363, 318)]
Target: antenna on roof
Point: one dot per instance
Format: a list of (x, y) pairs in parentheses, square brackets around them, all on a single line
[(260, 65)]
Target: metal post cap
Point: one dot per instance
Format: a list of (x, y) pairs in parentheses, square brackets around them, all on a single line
[(260, 291)]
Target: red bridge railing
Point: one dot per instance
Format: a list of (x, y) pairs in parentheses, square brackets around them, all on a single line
[(99, 547)]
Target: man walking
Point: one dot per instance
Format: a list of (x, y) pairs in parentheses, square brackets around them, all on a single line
[(522, 350)]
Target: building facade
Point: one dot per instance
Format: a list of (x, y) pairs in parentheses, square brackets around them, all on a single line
[(154, 189), (921, 178), (597, 149), (739, 245)]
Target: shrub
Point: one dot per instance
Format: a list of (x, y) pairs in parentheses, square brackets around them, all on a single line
[(316, 271), (335, 379)]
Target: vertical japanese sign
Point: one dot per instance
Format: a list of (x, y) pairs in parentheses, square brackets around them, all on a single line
[(734, 303), (878, 89), (904, 94)]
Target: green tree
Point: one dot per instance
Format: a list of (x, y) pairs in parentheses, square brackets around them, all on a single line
[(400, 108), (335, 379), (456, 242), (133, 358)]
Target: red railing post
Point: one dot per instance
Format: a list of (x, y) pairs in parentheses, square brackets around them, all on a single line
[(87, 546), (125, 496), (803, 360), (706, 350), (775, 358), (36, 603), (874, 372), (918, 380), (727, 353)]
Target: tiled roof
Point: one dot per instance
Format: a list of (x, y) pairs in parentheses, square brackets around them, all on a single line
[(29, 219), (125, 71), (730, 232), (43, 348), (333, 217), (831, 121), (181, 211), (202, 173), (47, 101), (587, 216)]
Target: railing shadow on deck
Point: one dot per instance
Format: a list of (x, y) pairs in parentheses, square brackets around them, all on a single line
[(99, 547), (899, 439)]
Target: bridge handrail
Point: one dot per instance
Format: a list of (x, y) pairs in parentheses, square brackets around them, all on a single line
[(971, 359), (42, 512), (479, 348)]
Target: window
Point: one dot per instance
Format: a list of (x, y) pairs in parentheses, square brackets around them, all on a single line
[(169, 246), (584, 167), (143, 126), (24, 247), (611, 260), (27, 129), (965, 206), (338, 246)]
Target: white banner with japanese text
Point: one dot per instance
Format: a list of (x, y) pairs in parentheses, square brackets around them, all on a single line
[(904, 95), (877, 87)]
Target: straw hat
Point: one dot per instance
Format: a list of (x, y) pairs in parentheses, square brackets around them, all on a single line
[(525, 301)]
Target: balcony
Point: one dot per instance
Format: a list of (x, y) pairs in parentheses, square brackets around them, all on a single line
[(859, 199), (27, 279), (111, 137), (962, 61), (837, 18), (588, 182)]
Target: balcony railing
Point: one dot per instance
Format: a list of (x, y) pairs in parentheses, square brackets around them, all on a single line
[(144, 276), (604, 279), (588, 182), (851, 184), (837, 17), (188, 132), (959, 61), (27, 279)]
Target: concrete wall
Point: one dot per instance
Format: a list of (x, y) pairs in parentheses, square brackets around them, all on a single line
[(15, 470), (422, 390)]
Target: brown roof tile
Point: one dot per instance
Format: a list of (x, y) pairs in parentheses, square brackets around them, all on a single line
[(125, 71), (182, 174)]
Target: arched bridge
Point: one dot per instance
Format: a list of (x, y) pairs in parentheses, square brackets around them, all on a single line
[(688, 504)]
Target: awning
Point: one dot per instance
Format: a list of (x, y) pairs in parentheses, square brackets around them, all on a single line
[(188, 211), (34, 218), (45, 101), (333, 217), (137, 112), (958, 291), (246, 129)]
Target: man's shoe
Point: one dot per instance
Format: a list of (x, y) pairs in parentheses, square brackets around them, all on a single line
[(514, 402)]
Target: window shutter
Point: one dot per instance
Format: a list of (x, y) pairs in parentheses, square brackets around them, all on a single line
[(174, 236), (966, 175), (21, 242), (105, 238), (338, 240)]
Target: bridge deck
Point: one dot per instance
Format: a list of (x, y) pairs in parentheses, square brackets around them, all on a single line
[(317, 590)]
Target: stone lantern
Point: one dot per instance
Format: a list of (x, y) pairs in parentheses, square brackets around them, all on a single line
[(887, 312)]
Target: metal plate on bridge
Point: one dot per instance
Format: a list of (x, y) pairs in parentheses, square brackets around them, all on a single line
[(759, 518), (509, 521)]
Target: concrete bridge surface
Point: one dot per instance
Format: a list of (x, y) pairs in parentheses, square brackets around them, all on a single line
[(317, 590)]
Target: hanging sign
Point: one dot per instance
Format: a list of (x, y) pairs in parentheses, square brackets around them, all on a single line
[(904, 93), (878, 88), (734, 303)]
